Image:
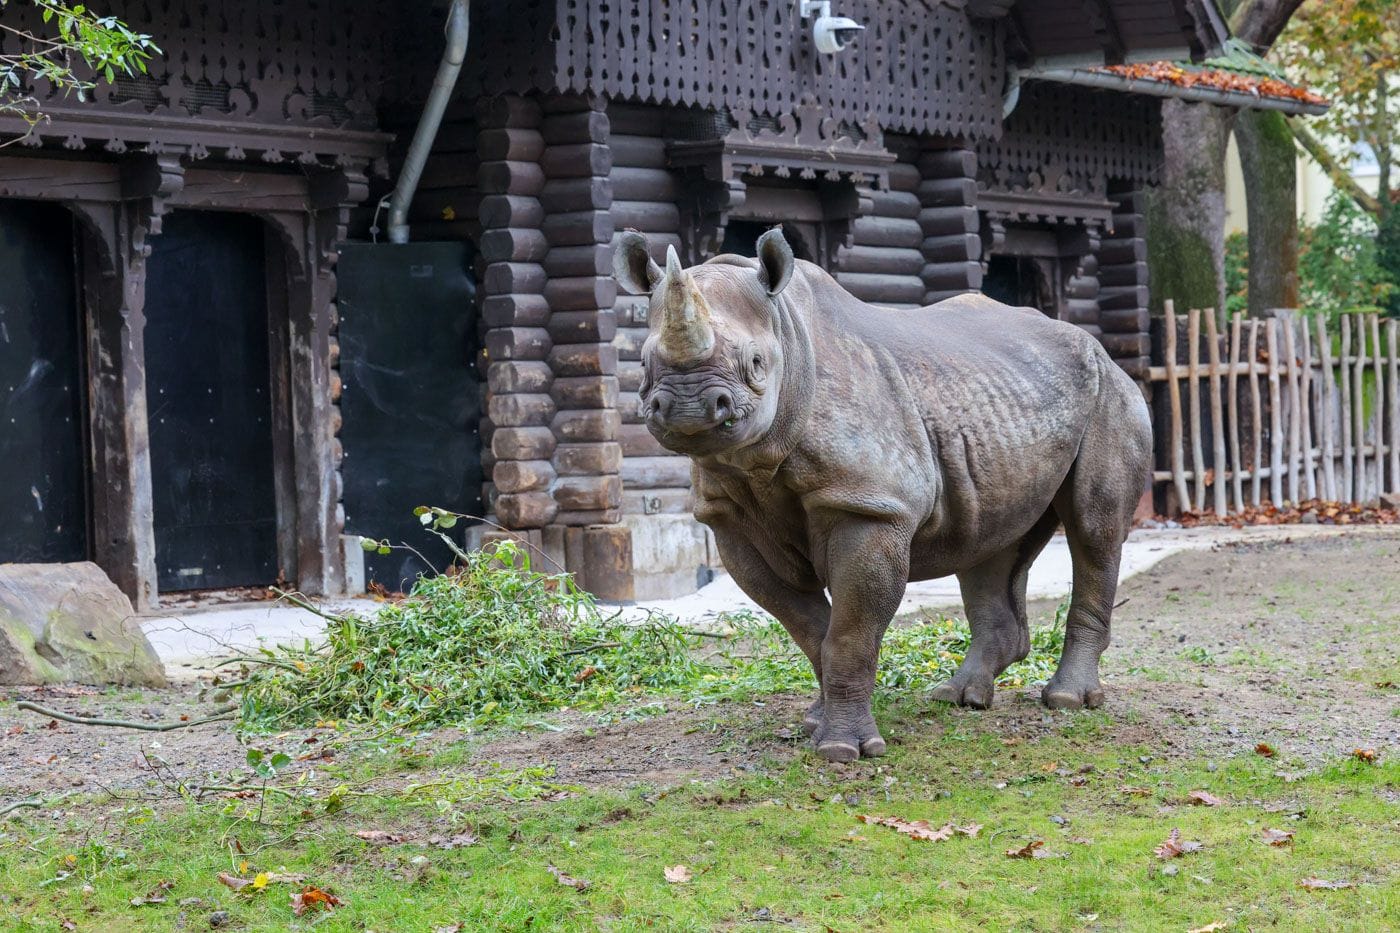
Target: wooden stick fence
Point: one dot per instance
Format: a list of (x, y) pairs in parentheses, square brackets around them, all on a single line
[(1327, 419)]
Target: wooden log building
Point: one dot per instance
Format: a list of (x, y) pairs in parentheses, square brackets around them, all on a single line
[(214, 373)]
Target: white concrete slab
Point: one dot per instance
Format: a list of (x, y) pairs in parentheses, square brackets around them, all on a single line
[(188, 640)]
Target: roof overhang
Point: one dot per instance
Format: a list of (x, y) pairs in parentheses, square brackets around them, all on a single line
[(1104, 79)]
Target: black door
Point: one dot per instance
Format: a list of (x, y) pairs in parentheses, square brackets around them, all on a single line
[(411, 399), (43, 486), (208, 403)]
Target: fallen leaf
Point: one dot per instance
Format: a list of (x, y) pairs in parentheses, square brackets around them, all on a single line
[(379, 837), (921, 829), (568, 881), (1202, 798), (1174, 846), (1029, 850), (313, 898), (1265, 749), (1210, 927), (1367, 755), (450, 928), (1321, 884), (233, 881), (1135, 791), (154, 896), (458, 841), (1278, 837), (584, 674), (677, 874)]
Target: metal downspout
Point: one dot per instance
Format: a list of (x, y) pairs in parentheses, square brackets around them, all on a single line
[(458, 25)]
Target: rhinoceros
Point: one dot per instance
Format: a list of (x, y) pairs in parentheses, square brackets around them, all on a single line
[(845, 448)]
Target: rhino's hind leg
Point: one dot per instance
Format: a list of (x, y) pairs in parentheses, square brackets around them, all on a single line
[(994, 596), (1096, 504)]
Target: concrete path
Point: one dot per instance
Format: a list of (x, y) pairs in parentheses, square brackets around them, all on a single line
[(187, 640)]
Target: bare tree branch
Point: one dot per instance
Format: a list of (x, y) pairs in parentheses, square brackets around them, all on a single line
[(1334, 169)]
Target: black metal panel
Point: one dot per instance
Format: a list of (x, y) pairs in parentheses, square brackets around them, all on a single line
[(43, 485), (411, 398), (208, 402)]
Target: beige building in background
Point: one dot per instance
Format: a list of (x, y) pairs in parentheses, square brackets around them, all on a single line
[(1314, 188)]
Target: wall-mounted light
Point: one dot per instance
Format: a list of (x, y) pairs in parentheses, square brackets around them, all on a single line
[(830, 33)]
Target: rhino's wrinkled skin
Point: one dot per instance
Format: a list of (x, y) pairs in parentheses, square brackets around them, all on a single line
[(845, 448)]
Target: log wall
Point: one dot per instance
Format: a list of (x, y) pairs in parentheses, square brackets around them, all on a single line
[(1122, 300), (884, 263), (949, 221)]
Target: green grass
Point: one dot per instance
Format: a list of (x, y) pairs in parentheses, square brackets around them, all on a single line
[(782, 844)]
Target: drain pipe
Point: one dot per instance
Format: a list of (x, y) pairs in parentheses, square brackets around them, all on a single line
[(458, 22)]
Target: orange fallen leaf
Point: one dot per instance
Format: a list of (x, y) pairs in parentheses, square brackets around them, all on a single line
[(677, 874), (1029, 850), (1202, 798), (1278, 837), (313, 898), (1265, 749), (1174, 846), (1367, 755), (584, 674)]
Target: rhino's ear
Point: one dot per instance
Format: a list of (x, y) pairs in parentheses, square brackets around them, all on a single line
[(633, 266), (775, 261)]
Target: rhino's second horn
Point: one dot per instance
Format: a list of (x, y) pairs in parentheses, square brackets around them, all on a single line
[(687, 335)]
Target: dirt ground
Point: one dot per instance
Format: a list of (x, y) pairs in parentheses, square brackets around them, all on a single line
[(1290, 643)]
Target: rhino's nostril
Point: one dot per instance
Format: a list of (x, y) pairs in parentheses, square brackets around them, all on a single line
[(724, 407)]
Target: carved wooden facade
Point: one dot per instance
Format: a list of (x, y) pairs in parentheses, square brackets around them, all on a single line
[(699, 122)]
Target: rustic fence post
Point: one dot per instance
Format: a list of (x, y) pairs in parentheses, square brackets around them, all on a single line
[(1290, 363), (1306, 407), (1174, 398), (1344, 373), (1380, 402), (1393, 340), (1217, 414), (1257, 419), (1358, 412), (1329, 451), (1236, 471), (1275, 414), (1193, 371)]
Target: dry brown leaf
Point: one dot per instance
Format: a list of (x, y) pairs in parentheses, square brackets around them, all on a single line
[(970, 830), (1265, 749), (313, 898), (379, 837), (1135, 791), (677, 874), (457, 841), (1278, 837), (1367, 755), (1203, 798), (914, 829), (1210, 927), (1174, 846), (1321, 884), (568, 881), (233, 881), (1029, 850)]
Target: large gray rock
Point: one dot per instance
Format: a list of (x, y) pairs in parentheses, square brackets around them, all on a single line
[(69, 622)]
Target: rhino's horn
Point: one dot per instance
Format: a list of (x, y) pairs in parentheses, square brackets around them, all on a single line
[(687, 334)]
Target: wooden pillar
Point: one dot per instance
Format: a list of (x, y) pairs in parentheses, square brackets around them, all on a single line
[(515, 312), (952, 244), (1123, 293), (581, 293)]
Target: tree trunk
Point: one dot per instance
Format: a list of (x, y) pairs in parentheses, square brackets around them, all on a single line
[(1186, 214), (1270, 163)]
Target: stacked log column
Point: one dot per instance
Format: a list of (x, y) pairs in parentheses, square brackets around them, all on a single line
[(1123, 292), (883, 265), (578, 228), (1082, 295), (515, 315), (951, 227)]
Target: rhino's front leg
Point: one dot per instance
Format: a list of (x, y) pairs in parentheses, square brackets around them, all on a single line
[(804, 612), (868, 568)]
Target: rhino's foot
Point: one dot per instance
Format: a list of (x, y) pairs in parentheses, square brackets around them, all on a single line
[(847, 743), (1068, 693), (975, 691), (812, 719)]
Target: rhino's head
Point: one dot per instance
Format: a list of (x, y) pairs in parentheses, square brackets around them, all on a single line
[(713, 362)]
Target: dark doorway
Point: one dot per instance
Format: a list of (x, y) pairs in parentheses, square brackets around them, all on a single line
[(1023, 282), (43, 478), (411, 402), (208, 381), (741, 238)]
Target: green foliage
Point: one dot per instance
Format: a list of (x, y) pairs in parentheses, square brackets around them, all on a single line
[(104, 45), (1237, 273), (1388, 258), (493, 639), (1338, 264)]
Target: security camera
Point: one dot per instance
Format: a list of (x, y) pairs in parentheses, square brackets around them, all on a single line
[(830, 33)]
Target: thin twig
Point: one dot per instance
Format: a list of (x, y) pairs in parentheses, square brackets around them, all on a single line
[(222, 713), (8, 808)]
